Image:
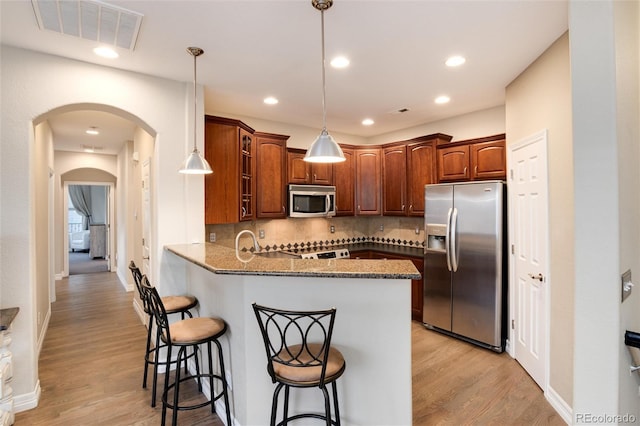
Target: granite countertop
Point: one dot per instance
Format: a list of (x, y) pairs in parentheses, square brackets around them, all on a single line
[(222, 260), (7, 316)]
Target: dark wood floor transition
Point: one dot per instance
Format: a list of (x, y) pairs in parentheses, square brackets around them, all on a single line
[(91, 371)]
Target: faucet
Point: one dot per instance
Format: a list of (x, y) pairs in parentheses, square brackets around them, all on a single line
[(256, 246)]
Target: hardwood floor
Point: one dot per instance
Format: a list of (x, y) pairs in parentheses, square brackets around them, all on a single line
[(92, 361), (91, 371)]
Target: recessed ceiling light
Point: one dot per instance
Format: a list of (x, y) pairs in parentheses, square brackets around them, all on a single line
[(442, 99), (455, 61), (367, 122), (340, 62), (92, 131), (270, 100), (106, 52)]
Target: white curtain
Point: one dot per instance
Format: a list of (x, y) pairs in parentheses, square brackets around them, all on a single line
[(81, 199)]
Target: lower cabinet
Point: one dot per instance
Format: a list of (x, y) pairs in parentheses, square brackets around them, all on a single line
[(416, 285)]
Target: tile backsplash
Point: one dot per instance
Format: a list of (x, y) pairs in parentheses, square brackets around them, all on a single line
[(296, 232)]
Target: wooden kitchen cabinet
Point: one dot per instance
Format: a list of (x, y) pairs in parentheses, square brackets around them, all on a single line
[(474, 159), (302, 172), (453, 163), (271, 174), (406, 168), (489, 160), (421, 170), (394, 180), (229, 195), (368, 181), (344, 175)]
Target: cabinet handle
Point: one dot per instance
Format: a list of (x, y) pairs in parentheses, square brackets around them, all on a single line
[(283, 210), (475, 171), (465, 172), (315, 177), (403, 207), (410, 208), (307, 176), (244, 212)]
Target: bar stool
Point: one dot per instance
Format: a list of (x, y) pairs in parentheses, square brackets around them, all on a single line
[(299, 354), (173, 305), (184, 334)]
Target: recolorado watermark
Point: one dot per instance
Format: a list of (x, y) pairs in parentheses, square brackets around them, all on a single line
[(600, 419)]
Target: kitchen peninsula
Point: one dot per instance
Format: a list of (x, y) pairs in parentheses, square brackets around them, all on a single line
[(372, 330)]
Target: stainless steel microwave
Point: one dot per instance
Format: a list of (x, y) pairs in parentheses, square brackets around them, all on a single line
[(312, 201)]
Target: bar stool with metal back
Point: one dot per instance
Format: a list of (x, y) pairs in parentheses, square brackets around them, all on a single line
[(173, 305), (299, 355), (184, 334)]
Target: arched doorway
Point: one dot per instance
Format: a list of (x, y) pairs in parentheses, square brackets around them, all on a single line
[(109, 162)]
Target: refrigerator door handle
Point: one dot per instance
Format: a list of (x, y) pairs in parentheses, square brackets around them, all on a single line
[(454, 245), (447, 240)]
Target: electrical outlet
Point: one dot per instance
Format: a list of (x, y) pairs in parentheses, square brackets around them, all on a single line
[(417, 230), (382, 227), (212, 237), (332, 229), (261, 233)]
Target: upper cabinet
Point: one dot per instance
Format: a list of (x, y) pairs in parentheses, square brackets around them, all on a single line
[(489, 159), (344, 175), (407, 167), (474, 159), (271, 169), (394, 180), (302, 172), (230, 190), (368, 181)]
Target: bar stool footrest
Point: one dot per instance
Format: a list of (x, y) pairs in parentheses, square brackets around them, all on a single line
[(306, 416), (199, 405)]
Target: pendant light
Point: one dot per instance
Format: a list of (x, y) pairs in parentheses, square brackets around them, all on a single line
[(195, 164), (325, 149)]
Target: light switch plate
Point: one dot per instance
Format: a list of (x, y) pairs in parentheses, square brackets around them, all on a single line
[(627, 285)]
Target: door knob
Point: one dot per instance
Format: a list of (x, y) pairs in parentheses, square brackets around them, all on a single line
[(538, 277)]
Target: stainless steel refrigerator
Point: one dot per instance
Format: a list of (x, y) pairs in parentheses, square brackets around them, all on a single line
[(465, 264)]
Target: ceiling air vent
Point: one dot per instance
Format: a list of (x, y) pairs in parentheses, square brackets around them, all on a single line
[(90, 20)]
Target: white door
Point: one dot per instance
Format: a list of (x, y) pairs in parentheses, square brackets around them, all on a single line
[(146, 217), (529, 231)]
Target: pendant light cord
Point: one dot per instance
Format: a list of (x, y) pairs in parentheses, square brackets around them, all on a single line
[(195, 106), (324, 106)]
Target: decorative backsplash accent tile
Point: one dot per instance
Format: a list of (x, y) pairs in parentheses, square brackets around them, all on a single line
[(291, 234)]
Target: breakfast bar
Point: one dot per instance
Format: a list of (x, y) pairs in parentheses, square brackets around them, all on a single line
[(372, 330)]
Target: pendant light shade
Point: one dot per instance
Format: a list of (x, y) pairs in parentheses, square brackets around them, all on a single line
[(195, 164), (325, 149)]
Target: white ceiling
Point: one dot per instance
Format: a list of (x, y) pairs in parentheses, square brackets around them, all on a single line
[(258, 48)]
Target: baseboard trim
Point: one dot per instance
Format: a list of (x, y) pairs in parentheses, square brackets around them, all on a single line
[(45, 328), (560, 405), (27, 401), (123, 282)]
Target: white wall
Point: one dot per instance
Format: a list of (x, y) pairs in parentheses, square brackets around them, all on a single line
[(476, 124), (627, 57), (159, 106)]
